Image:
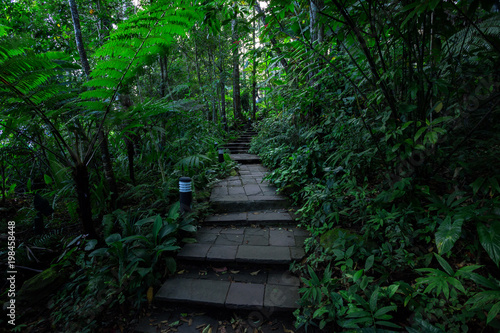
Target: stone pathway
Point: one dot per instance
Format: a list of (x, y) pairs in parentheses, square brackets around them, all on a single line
[(241, 257)]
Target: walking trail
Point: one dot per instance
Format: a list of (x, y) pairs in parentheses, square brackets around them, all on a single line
[(240, 262)]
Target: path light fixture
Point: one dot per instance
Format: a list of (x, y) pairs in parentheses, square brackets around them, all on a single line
[(185, 194), (221, 153)]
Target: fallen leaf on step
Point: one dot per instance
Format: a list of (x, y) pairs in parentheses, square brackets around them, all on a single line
[(234, 272), (202, 273), (255, 273), (190, 322), (149, 295), (286, 330), (219, 270), (181, 272), (207, 329)]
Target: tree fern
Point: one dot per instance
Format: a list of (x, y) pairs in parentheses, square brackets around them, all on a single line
[(126, 50), (472, 41)]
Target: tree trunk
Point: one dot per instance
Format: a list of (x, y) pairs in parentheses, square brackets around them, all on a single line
[(254, 74), (211, 58), (236, 70), (223, 97), (273, 40), (108, 168), (81, 177), (316, 36), (126, 103), (103, 140), (162, 74), (103, 23), (78, 37)]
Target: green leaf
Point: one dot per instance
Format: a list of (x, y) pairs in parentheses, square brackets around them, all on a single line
[(374, 299), (358, 314), (387, 323), (494, 184), (419, 133), (476, 186), (392, 290), (349, 251), (158, 224), (167, 230), (447, 234), (488, 283), (385, 310), (431, 137), (319, 312), (357, 275), (314, 277), (493, 312), (99, 252), (490, 239), (91, 244), (113, 238), (457, 284), (171, 264), (47, 179), (480, 299), (447, 268), (369, 262), (189, 228), (364, 282)]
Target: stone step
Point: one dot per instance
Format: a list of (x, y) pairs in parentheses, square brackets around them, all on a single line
[(233, 289), (245, 158), (239, 245), (238, 151), (236, 144), (266, 217), (243, 203)]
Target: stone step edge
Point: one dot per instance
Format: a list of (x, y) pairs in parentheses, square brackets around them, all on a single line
[(231, 295), (228, 206), (254, 217), (241, 254)]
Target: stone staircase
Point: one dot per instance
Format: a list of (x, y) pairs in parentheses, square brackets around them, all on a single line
[(243, 251), (239, 149)]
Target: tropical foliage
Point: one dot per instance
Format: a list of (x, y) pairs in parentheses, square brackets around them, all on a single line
[(379, 119)]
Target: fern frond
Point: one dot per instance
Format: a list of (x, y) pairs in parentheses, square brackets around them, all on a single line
[(192, 162), (101, 82), (472, 40), (97, 93), (93, 105)]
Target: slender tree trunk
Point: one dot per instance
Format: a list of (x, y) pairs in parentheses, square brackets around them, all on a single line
[(103, 138), (81, 177), (273, 40), (108, 168), (162, 74), (211, 58), (316, 33), (78, 37), (254, 73), (236, 70), (126, 103)]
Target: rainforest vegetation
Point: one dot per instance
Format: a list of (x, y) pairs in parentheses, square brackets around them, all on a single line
[(379, 119)]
